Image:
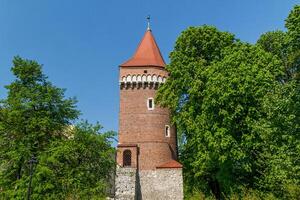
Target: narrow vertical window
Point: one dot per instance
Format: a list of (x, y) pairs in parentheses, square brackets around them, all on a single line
[(150, 104), (167, 131), (127, 158)]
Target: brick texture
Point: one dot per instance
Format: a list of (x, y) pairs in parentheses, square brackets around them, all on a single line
[(142, 127)]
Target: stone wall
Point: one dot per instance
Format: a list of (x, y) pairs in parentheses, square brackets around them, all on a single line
[(161, 184), (125, 184)]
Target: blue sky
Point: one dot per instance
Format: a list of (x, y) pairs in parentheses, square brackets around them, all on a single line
[(81, 43)]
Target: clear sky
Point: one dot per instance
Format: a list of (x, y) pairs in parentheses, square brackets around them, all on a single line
[(81, 43)]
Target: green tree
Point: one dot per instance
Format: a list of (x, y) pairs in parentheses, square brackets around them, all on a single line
[(34, 113), (217, 102), (286, 45), (236, 107), (190, 54), (279, 159), (73, 162), (293, 26), (281, 173), (78, 167), (293, 36), (276, 42)]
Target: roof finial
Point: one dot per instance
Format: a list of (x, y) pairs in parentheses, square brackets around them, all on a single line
[(148, 20)]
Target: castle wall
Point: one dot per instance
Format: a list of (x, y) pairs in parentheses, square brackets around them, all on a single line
[(125, 184), (161, 184)]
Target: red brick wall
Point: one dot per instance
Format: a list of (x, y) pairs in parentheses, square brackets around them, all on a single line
[(146, 128), (134, 152), (124, 71)]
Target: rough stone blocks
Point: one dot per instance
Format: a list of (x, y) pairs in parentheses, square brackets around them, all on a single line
[(125, 184)]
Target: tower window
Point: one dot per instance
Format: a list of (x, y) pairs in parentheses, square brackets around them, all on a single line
[(127, 158), (167, 131), (150, 104)]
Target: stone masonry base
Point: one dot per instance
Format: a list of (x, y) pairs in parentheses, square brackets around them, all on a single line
[(125, 184), (160, 184)]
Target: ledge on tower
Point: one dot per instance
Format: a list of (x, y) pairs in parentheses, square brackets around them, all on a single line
[(170, 164), (127, 145)]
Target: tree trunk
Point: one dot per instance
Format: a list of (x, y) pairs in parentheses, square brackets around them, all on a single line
[(215, 188)]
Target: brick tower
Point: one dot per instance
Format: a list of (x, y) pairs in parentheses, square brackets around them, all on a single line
[(147, 148)]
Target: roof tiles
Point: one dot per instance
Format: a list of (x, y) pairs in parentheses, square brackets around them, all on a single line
[(147, 53), (170, 164)]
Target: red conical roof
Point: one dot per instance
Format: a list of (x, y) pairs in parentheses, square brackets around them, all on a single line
[(147, 53)]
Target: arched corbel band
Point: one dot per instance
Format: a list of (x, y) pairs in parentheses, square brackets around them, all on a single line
[(144, 80)]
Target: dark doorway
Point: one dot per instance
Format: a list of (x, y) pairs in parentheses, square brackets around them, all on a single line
[(127, 158)]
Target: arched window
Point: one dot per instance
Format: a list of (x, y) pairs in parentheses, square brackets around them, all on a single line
[(127, 158)]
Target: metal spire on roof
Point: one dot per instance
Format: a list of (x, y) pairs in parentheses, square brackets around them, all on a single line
[(148, 19)]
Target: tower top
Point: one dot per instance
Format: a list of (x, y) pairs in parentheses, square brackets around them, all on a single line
[(147, 53), (148, 23)]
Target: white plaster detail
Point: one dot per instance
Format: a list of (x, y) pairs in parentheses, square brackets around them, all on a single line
[(128, 78), (144, 78), (149, 78), (134, 78), (159, 79), (154, 78), (139, 78)]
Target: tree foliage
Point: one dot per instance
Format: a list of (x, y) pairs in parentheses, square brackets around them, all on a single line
[(285, 45), (36, 121), (78, 167), (281, 175), (33, 114), (236, 106)]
